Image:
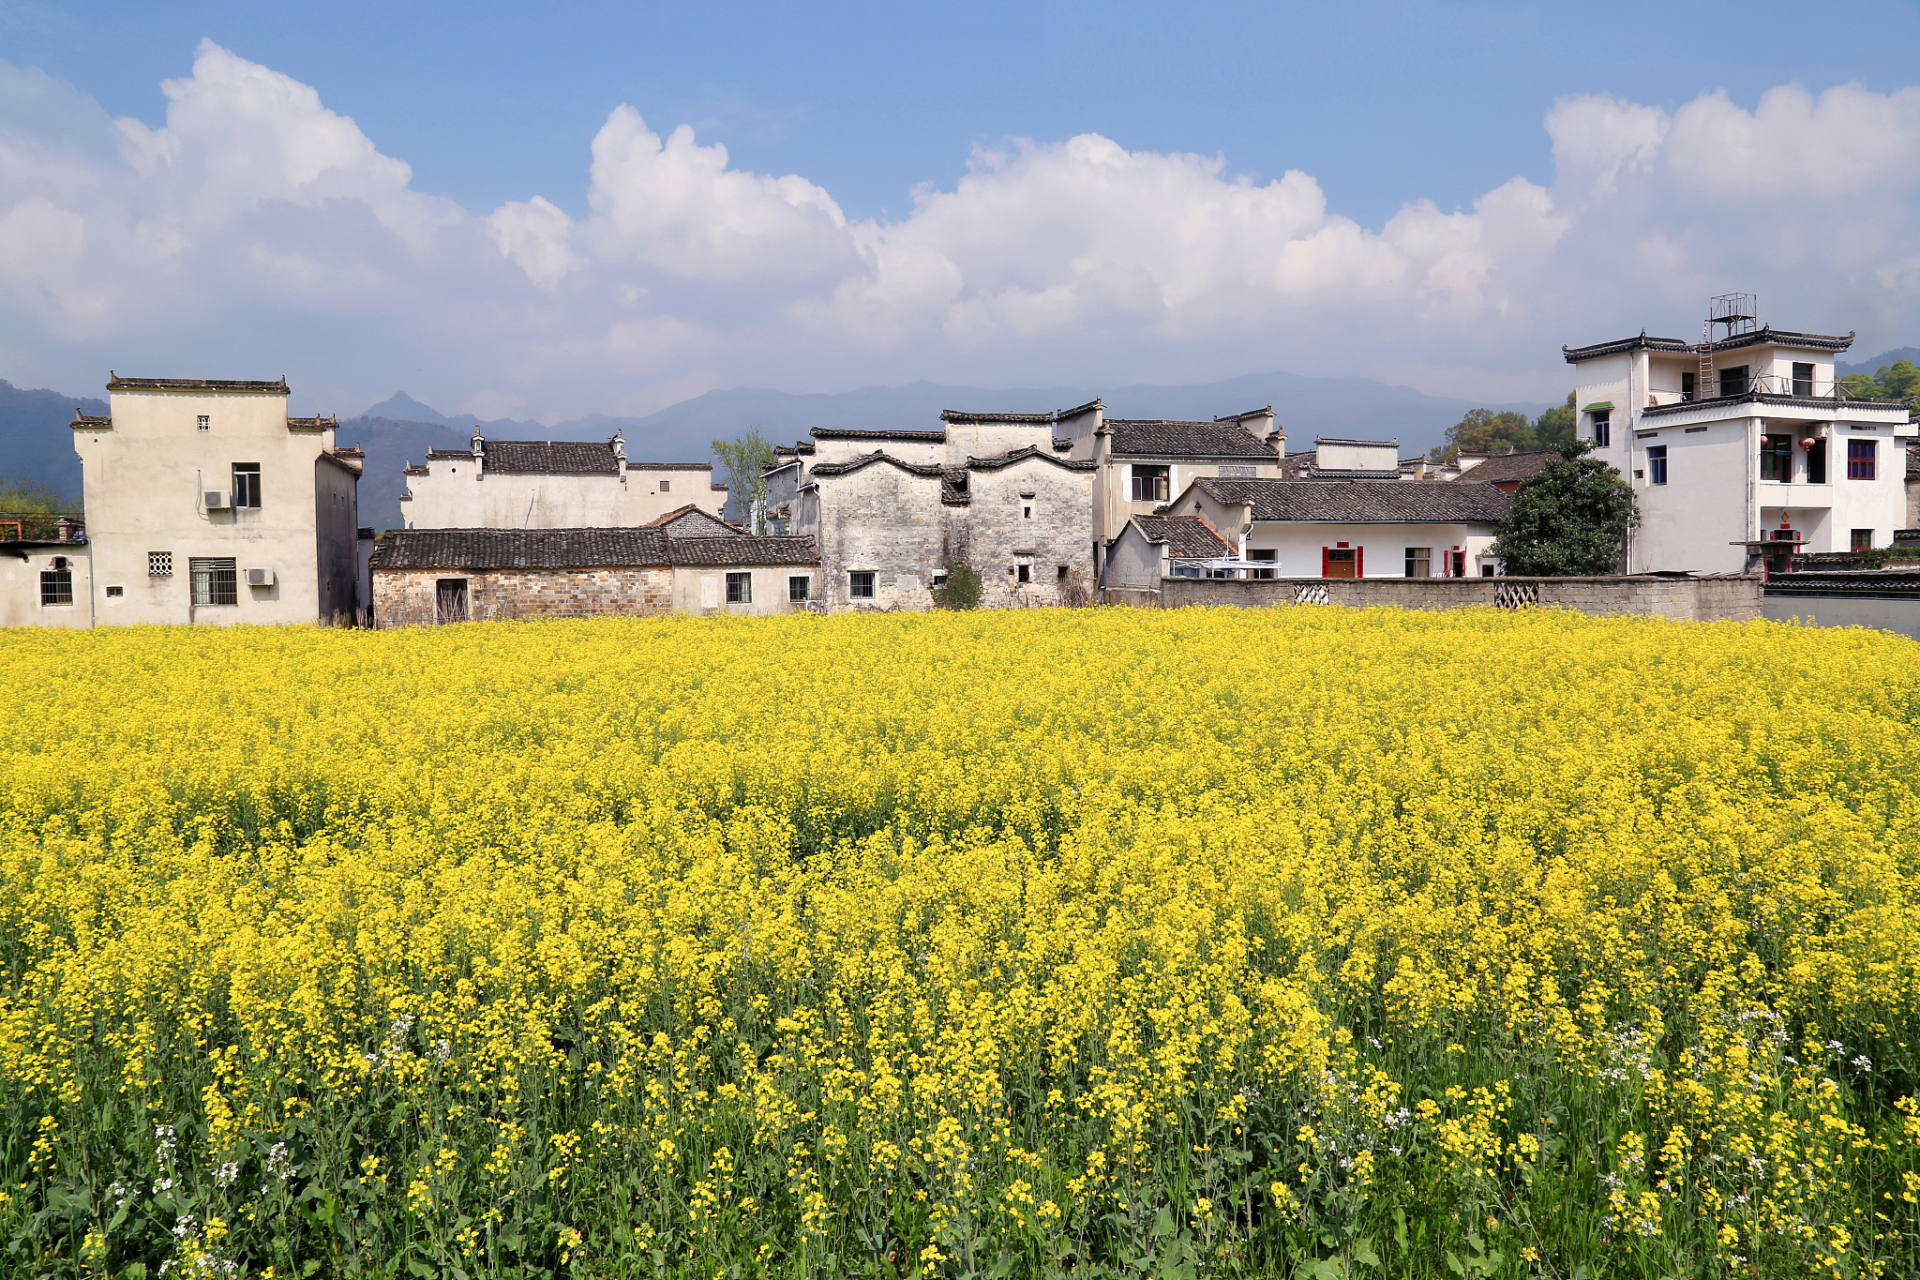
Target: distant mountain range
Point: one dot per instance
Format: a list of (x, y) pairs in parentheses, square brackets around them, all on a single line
[(1910, 354)]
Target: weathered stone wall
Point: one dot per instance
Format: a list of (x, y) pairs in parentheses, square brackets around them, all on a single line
[(405, 597), (891, 522), (1688, 599)]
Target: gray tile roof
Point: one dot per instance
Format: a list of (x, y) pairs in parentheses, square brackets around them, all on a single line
[(1363, 501), (691, 522), (1187, 537), (117, 383), (551, 457), (878, 455), (1505, 468), (1159, 438), (1296, 464), (742, 549), (478, 549)]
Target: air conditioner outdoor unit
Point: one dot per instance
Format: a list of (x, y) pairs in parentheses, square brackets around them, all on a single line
[(217, 500), (259, 577)]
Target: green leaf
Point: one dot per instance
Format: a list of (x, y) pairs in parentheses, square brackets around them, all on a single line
[(1454, 1264), (1400, 1227), (421, 1269), (1365, 1255)]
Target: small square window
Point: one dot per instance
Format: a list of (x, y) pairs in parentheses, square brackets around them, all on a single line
[(860, 584), (1060, 573), (940, 579), (1026, 513), (159, 564), (1860, 540), (1023, 573), (115, 593), (739, 588), (202, 422), (666, 486), (799, 588)]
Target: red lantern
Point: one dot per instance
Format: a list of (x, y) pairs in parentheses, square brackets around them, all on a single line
[(1808, 443)]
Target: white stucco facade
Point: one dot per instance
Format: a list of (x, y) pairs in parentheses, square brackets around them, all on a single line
[(1766, 446), (46, 584), (551, 484), (207, 504), (1303, 548)]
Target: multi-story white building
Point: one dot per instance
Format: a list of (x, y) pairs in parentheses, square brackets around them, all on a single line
[(206, 503), (551, 484), (1741, 448)]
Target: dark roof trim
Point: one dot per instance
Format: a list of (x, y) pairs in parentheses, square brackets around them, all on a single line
[(1763, 397), (117, 383), (86, 422), (449, 455), (1062, 415), (315, 423), (831, 469), (1337, 473), (1768, 336), (848, 433), (961, 415), (345, 464), (1012, 456), (1376, 444), (1248, 416), (633, 466)]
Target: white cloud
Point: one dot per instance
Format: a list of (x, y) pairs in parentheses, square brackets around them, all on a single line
[(256, 225)]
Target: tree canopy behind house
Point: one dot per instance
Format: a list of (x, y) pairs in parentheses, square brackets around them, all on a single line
[(1484, 431), (744, 460), (1570, 518), (1897, 381)]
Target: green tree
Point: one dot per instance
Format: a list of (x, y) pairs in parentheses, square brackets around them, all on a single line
[(1554, 428), (1570, 518), (1897, 381), (963, 588), (744, 460), (27, 496)]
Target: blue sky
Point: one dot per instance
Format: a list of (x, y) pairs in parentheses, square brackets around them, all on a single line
[(1379, 107)]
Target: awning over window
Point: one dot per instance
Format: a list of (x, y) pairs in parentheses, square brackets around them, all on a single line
[(1597, 406)]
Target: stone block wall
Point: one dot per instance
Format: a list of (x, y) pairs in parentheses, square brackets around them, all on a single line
[(1686, 599), (405, 597)]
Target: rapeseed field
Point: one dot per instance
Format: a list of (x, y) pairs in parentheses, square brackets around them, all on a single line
[(1200, 943)]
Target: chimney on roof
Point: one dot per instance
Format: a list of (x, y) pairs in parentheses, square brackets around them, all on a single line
[(619, 443), (479, 454)]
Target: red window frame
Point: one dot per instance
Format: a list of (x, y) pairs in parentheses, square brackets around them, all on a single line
[(1862, 455)]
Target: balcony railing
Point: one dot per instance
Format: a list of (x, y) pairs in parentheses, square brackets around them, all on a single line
[(1772, 384)]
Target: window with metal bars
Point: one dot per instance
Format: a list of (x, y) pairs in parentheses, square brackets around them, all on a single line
[(215, 581)]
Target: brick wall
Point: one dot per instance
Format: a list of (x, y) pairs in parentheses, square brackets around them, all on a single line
[(1687, 599), (405, 597)]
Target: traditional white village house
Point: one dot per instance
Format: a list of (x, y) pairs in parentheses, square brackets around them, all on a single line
[(1350, 513), (1742, 448), (894, 512), (45, 572), (206, 503), (429, 576), (551, 484), (1140, 464)]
